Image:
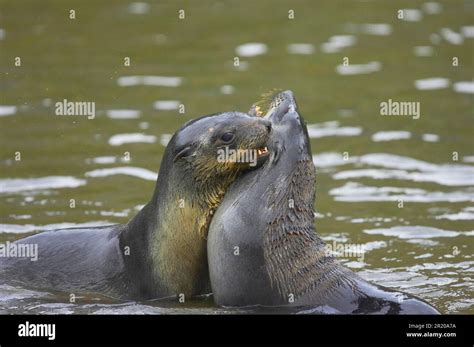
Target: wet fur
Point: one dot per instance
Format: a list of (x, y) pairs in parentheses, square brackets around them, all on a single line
[(167, 243)]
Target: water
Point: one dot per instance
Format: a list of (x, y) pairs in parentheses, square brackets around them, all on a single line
[(367, 163)]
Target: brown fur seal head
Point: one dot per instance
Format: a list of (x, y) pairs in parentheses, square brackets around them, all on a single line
[(192, 181), (161, 252)]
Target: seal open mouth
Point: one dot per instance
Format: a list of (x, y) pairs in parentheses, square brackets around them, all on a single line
[(281, 109), (274, 105), (262, 152), (262, 155)]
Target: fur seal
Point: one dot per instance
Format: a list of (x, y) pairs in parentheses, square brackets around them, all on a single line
[(161, 252), (262, 245)]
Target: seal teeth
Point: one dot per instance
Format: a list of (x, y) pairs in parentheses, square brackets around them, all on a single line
[(262, 151)]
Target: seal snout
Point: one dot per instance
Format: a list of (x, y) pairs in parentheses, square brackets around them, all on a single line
[(280, 105)]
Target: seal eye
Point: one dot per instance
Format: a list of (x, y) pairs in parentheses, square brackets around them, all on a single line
[(227, 137)]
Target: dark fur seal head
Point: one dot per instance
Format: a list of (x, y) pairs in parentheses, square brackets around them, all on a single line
[(266, 217), (263, 248)]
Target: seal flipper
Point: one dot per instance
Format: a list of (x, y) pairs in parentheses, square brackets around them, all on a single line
[(377, 299)]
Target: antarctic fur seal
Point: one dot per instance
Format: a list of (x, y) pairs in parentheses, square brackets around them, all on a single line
[(161, 252), (262, 245)]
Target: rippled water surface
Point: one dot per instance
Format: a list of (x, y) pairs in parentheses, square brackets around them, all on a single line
[(401, 187)]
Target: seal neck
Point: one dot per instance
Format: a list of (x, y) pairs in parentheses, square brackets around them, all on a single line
[(173, 228), (296, 258)]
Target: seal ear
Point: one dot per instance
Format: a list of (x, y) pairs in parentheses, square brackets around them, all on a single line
[(183, 152)]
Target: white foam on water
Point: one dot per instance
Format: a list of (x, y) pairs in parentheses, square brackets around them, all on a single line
[(6, 110), (468, 159), (430, 137), (251, 49), (466, 265), (123, 114), (331, 129), (124, 213), (14, 185), (423, 51), (432, 83), (102, 160), (444, 174), (166, 105), (389, 275), (11, 293), (423, 256), (446, 178), (47, 102), (451, 36), (377, 220), (359, 69), (331, 159), (464, 87), (160, 39), (139, 207), (132, 309), (120, 139), (139, 7), (370, 246), (144, 125), (468, 31), (457, 216), (337, 43), (423, 242), (243, 66), (28, 228), (165, 139), (21, 216), (124, 170), (411, 15), (466, 214), (356, 192), (390, 136), (338, 237), (432, 7), (394, 161), (301, 48), (227, 89), (163, 81), (414, 232), (379, 29)]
